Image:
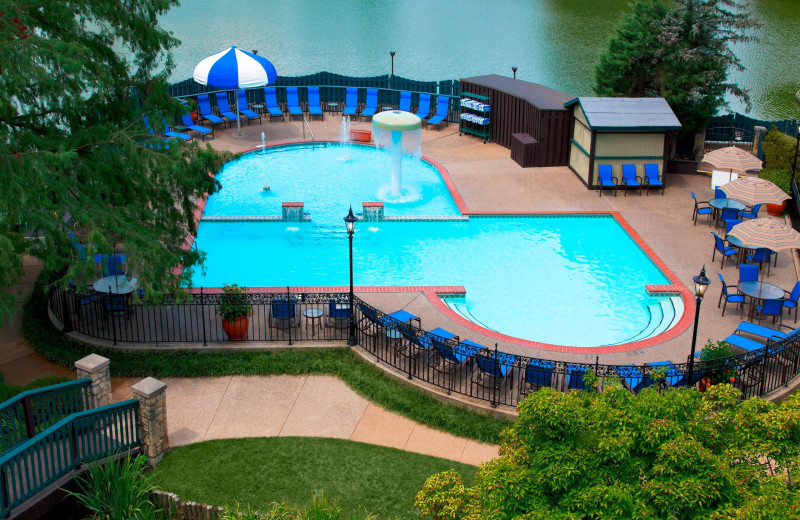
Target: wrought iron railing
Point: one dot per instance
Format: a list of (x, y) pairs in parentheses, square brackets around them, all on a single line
[(53, 453), (30, 412), (453, 364)]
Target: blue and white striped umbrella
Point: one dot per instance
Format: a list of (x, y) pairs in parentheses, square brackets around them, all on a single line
[(233, 69)]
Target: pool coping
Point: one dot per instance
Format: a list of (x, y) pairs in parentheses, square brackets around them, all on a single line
[(432, 292)]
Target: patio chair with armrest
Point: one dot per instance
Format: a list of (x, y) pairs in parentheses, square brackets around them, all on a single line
[(244, 109), (442, 107), (110, 265), (351, 102), (283, 314), (732, 298), (719, 194), (186, 119), (205, 110), (371, 106), (730, 223), (752, 213), (719, 245), (728, 214), (790, 302), (314, 107), (538, 374), (405, 101), (293, 103), (223, 108), (339, 314), (761, 256), (748, 273), (770, 308), (271, 104), (701, 208), (424, 107), (651, 178), (605, 179), (629, 178)]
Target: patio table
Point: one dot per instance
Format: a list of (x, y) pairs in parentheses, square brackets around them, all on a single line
[(719, 203), (759, 291), (119, 284)]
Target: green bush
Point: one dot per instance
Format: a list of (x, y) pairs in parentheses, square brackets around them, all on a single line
[(778, 148), (781, 177)]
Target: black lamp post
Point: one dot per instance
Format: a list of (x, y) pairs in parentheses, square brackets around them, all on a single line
[(514, 70), (794, 166), (701, 283), (391, 53), (350, 221)]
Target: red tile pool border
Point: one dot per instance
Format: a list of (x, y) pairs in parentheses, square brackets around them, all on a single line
[(432, 292)]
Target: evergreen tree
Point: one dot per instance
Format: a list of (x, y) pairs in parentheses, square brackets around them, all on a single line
[(77, 165), (683, 55)]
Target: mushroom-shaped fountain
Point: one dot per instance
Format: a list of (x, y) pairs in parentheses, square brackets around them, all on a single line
[(398, 132)]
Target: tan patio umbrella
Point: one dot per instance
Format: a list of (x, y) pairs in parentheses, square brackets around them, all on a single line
[(771, 233), (752, 190), (732, 159)]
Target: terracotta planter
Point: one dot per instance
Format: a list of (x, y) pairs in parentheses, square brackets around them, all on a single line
[(236, 329), (776, 210), (194, 115)]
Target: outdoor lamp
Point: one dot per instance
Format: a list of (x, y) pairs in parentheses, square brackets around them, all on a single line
[(701, 283), (350, 221), (514, 70)]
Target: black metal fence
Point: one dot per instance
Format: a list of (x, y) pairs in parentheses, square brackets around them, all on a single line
[(454, 364), (739, 130)]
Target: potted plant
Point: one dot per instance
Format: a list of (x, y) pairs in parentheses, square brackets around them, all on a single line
[(235, 311), (193, 109)]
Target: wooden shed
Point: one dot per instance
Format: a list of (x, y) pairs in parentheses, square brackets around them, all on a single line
[(619, 131), (528, 118)]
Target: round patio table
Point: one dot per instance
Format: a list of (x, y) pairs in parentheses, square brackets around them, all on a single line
[(738, 244), (313, 315), (759, 291), (119, 284), (719, 204)]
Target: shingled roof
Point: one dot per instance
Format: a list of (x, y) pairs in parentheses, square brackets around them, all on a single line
[(627, 114)]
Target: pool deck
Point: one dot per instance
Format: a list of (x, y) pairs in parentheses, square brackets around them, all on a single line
[(489, 181)]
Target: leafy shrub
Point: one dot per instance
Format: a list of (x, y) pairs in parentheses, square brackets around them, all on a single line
[(442, 497), (781, 177), (719, 357), (778, 149), (233, 302), (320, 509)]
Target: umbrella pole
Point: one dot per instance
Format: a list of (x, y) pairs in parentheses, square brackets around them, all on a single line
[(238, 117)]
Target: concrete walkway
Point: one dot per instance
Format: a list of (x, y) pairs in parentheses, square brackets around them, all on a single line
[(200, 409)]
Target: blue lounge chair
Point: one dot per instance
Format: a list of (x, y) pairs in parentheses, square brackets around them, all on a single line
[(244, 109), (765, 333), (437, 336), (351, 102), (719, 245), (372, 103), (631, 377), (405, 101), (732, 298), (176, 135), (575, 377), (424, 107), (538, 373), (440, 342), (442, 106), (283, 314), (605, 180), (205, 110), (492, 369), (629, 178), (771, 308), (748, 273), (753, 213), (743, 343), (760, 257), (224, 109), (701, 208), (189, 124), (673, 376), (292, 103), (791, 300), (271, 104), (314, 107), (651, 178)]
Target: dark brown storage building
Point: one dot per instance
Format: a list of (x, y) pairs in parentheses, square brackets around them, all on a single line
[(528, 118)]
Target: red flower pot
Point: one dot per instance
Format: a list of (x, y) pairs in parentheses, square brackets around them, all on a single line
[(776, 210), (236, 328)]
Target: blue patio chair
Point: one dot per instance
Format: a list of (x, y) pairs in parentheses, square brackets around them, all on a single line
[(351, 102), (314, 107), (771, 308), (760, 257), (728, 214), (271, 104), (244, 109), (176, 135), (205, 110), (719, 194), (732, 298), (748, 273), (88, 299), (77, 246), (719, 245), (116, 304), (651, 178), (405, 101), (629, 178), (765, 333), (283, 314), (730, 223), (791, 300), (339, 314), (631, 377), (537, 374), (752, 213), (186, 119), (424, 107), (605, 180), (223, 108), (440, 342), (292, 103), (442, 108), (743, 343), (575, 377), (372, 103), (701, 208), (491, 370), (110, 265)]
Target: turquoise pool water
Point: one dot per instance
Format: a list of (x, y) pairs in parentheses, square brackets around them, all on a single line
[(568, 280)]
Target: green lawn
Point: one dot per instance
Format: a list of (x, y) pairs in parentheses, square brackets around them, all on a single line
[(260, 471)]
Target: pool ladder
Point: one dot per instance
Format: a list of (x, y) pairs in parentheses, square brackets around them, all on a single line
[(305, 124)]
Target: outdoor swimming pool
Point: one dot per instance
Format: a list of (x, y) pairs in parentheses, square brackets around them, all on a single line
[(566, 280)]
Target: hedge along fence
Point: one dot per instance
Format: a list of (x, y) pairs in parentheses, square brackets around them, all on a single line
[(779, 148)]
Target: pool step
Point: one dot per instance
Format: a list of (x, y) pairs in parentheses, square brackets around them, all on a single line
[(664, 314)]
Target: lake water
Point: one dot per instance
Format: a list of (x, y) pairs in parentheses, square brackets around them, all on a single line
[(553, 42)]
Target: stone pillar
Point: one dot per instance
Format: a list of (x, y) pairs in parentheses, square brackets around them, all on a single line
[(372, 211), (152, 396), (96, 368), (293, 211)]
